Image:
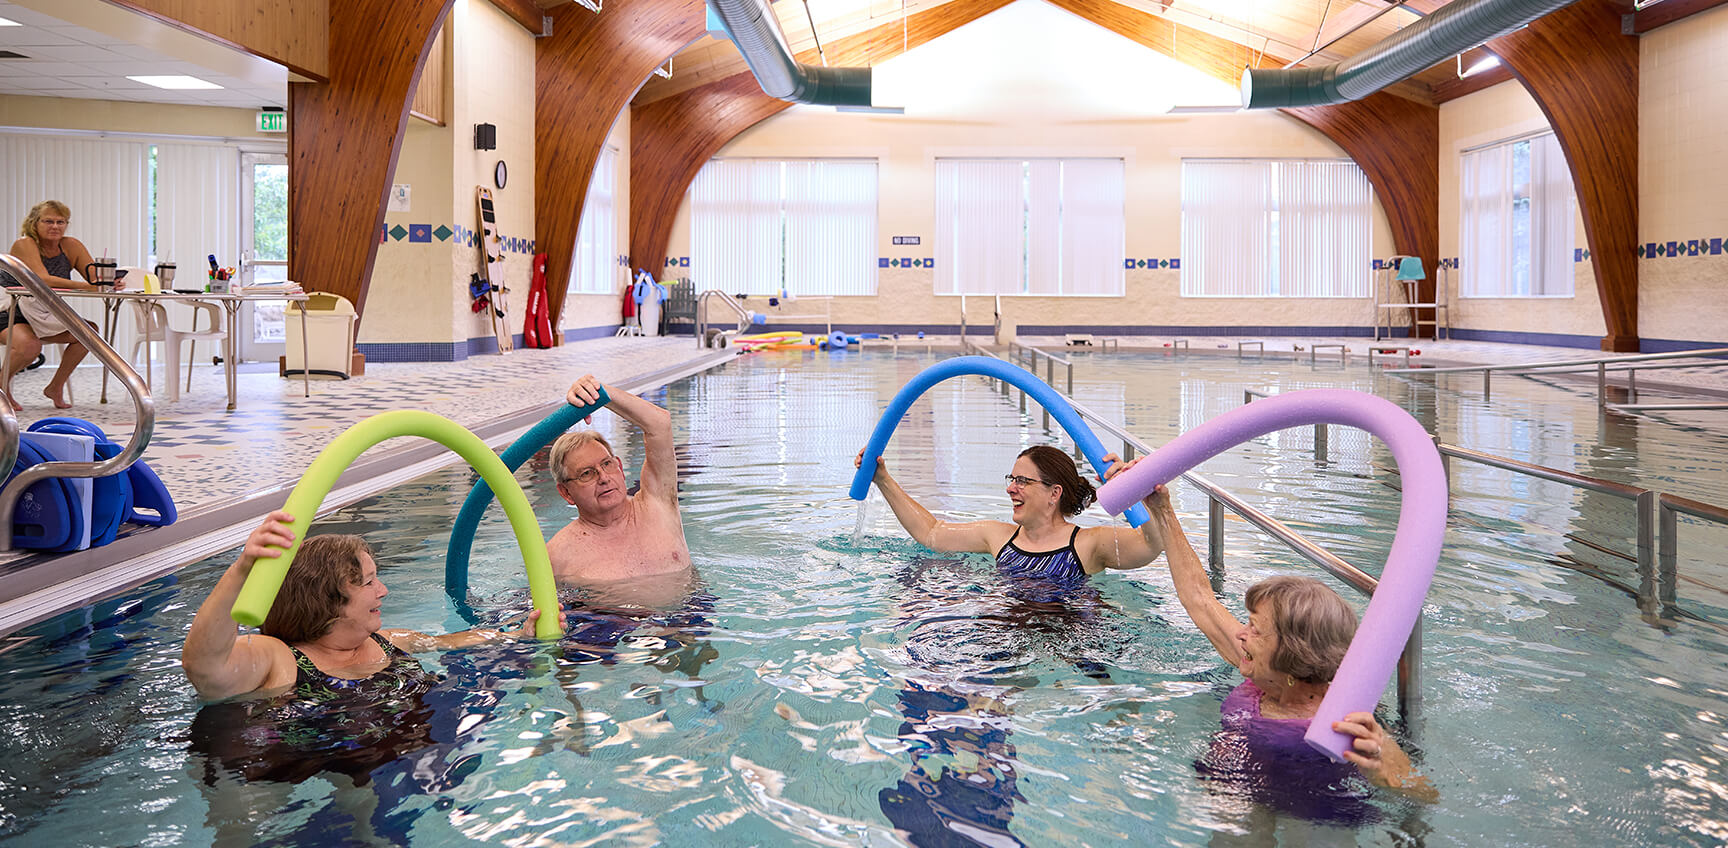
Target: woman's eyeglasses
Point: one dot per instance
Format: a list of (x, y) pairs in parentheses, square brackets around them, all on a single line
[(589, 475), (1022, 482)]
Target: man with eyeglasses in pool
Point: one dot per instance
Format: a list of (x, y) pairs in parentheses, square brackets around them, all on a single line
[(627, 546)]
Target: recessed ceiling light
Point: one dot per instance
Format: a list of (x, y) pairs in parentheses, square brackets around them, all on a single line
[(176, 82), (5, 22)]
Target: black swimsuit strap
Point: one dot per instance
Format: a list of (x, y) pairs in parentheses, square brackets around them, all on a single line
[(388, 647), (1017, 528)]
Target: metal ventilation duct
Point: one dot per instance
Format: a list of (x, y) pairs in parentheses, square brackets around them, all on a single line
[(1457, 27), (752, 26)]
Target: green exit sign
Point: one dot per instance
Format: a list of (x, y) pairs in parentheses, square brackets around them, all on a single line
[(272, 121)]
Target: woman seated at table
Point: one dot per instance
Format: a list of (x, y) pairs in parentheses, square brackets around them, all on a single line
[(1297, 632), (44, 247), (322, 637)]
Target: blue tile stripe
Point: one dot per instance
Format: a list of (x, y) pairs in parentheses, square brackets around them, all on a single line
[(461, 350), (1688, 248), (460, 235)]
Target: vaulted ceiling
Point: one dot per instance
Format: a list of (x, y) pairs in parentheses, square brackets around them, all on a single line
[(1217, 36)]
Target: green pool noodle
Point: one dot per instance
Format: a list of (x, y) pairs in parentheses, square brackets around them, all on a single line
[(259, 592)]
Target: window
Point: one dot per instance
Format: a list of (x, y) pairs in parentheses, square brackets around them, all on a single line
[(1275, 228), (795, 227), (595, 267), (1515, 236), (1029, 226)]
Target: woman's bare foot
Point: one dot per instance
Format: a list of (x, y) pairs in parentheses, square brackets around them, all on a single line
[(56, 394)]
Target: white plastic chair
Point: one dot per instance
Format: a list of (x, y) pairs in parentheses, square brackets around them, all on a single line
[(152, 324)]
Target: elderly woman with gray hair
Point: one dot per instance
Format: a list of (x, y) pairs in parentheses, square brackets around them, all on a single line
[(1297, 632)]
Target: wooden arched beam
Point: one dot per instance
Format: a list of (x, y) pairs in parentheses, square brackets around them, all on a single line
[(584, 76), (344, 135), (1584, 75), (670, 140), (1396, 142)]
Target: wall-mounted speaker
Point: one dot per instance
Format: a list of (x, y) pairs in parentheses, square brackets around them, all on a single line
[(485, 137)]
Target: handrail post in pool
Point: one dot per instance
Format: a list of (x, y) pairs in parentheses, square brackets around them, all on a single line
[(993, 368), (259, 592), (479, 497), (1396, 604)]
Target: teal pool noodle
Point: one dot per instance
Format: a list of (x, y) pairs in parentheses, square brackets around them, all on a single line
[(984, 366), (480, 497)]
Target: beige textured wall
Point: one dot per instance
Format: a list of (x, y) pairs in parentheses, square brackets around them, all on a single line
[(419, 289), (906, 149), (493, 73), (114, 116), (1683, 145), (1496, 113)]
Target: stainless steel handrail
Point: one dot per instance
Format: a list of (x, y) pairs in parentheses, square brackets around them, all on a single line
[(1666, 508), (92, 341), (1602, 365), (1321, 430), (1409, 670), (744, 318), (1032, 354)]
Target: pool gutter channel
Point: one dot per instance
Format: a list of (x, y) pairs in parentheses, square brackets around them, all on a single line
[(41, 586)]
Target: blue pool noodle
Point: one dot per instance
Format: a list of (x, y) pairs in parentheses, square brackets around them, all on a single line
[(985, 366), (480, 497)]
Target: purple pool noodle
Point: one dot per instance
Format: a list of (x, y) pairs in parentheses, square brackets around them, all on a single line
[(1397, 603)]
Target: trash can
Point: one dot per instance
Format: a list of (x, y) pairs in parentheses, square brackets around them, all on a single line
[(328, 347)]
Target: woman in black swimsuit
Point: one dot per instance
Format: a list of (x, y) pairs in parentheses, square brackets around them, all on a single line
[(322, 635), (1045, 489), (44, 246)]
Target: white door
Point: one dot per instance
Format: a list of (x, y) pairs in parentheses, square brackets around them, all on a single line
[(263, 251)]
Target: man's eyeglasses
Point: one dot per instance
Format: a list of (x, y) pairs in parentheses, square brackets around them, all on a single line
[(589, 475), (1022, 482)]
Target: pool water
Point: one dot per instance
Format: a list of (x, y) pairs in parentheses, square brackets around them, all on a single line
[(826, 689)]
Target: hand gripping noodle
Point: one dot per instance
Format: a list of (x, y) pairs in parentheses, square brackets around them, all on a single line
[(1392, 612), (480, 497), (1020, 378), (267, 574)]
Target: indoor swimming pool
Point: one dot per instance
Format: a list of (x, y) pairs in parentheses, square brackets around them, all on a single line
[(817, 685)]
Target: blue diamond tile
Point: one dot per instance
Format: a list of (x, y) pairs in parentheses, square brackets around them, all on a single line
[(1715, 247), (443, 233), (1673, 249), (1127, 264), (929, 262), (1692, 248), (881, 261), (397, 232)]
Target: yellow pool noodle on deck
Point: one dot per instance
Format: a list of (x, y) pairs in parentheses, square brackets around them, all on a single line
[(262, 584)]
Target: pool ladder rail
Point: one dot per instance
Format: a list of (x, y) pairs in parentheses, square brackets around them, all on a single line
[(142, 402), (1631, 364)]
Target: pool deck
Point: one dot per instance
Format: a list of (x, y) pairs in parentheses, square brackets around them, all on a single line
[(226, 469)]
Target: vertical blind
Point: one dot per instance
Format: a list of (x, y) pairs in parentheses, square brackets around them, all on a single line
[(1275, 228), (1034, 226), (803, 227), (594, 270), (138, 201), (1516, 229)]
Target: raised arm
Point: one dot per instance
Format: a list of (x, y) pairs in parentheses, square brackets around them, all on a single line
[(660, 467), (983, 537), (1120, 547), (218, 660), (1193, 588)]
